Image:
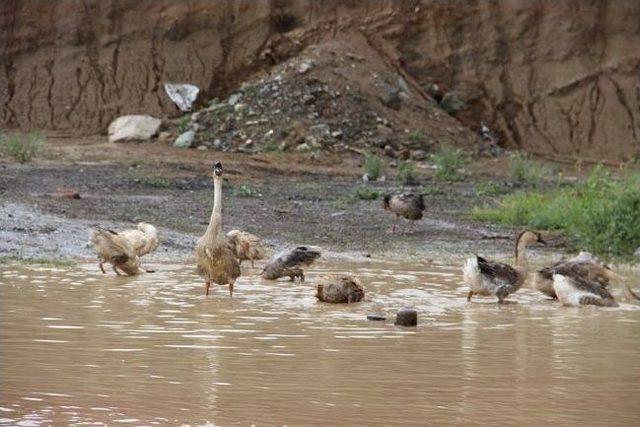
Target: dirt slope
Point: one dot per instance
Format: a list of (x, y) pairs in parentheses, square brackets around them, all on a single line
[(551, 77)]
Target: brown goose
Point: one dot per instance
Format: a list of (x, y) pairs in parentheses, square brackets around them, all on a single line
[(246, 246), (575, 291), (215, 258), (407, 205), (288, 263), (116, 250), (486, 277), (584, 265)]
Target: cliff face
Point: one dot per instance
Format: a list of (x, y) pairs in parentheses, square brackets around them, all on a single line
[(550, 77)]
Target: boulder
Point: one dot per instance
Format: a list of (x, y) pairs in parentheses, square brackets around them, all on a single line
[(133, 128), (182, 94), (340, 290), (185, 140)]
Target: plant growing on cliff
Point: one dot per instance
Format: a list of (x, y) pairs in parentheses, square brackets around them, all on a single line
[(526, 171), (448, 162), (373, 166), (22, 147)]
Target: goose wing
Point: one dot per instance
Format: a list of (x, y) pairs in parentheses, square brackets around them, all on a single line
[(497, 271), (301, 255)]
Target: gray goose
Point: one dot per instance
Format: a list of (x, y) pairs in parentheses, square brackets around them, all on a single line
[(407, 205)]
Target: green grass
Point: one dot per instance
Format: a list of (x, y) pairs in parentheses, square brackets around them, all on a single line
[(362, 192), (37, 261), (417, 136), (601, 214), (373, 166), (23, 147), (365, 193), (270, 147), (526, 171), (407, 174), (183, 123), (448, 162), (489, 188), (245, 190)]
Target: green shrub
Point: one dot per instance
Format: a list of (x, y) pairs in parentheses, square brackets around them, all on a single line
[(183, 123), (22, 147), (601, 214), (270, 147), (448, 162), (373, 166), (526, 171), (417, 136), (407, 173), (366, 193)]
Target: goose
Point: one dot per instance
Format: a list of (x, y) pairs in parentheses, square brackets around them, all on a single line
[(288, 263), (583, 265), (116, 250), (246, 246), (575, 291), (144, 238), (215, 258), (340, 289), (407, 205), (486, 277)]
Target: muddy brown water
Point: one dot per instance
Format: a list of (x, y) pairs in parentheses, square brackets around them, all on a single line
[(82, 348)]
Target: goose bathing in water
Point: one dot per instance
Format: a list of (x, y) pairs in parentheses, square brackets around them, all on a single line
[(215, 258), (575, 291), (486, 277), (115, 249), (144, 238), (246, 246), (288, 263), (408, 205)]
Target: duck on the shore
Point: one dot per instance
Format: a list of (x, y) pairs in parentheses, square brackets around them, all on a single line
[(289, 263), (116, 250), (486, 277), (215, 258), (339, 289), (575, 291), (407, 205), (246, 246)]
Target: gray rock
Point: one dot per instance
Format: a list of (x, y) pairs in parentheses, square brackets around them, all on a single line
[(217, 144), (164, 137), (185, 140), (391, 97), (417, 155), (451, 102), (240, 107), (303, 147), (376, 317), (337, 134), (321, 129), (407, 317), (234, 98), (637, 252), (305, 66), (133, 128)]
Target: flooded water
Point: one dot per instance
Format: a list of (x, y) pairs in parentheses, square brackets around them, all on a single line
[(81, 348)]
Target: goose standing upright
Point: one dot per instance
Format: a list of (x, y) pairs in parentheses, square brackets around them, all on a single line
[(494, 278), (215, 259)]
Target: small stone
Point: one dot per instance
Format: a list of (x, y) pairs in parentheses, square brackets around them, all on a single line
[(321, 129), (185, 140), (391, 97), (407, 317), (164, 137), (637, 252), (305, 66), (234, 98), (248, 143), (240, 107), (340, 290), (337, 134), (202, 147), (376, 317), (365, 177), (217, 144), (417, 155), (303, 147), (389, 151)]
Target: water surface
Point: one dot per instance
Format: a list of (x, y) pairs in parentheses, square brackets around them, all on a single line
[(80, 348)]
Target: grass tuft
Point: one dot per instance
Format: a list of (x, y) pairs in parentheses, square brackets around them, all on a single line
[(22, 147), (407, 174), (373, 166), (448, 162), (526, 171), (245, 190)]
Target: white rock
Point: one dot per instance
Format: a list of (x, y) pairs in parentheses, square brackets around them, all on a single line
[(185, 140), (637, 252), (234, 98), (133, 128), (182, 94)]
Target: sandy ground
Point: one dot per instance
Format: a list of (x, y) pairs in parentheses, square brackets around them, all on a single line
[(288, 199)]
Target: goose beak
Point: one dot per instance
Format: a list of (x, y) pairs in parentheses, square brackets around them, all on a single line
[(217, 169)]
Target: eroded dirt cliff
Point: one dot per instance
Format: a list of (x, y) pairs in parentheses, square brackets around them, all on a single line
[(556, 78)]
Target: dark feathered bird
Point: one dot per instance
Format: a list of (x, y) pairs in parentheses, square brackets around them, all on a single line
[(288, 263), (407, 205)]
